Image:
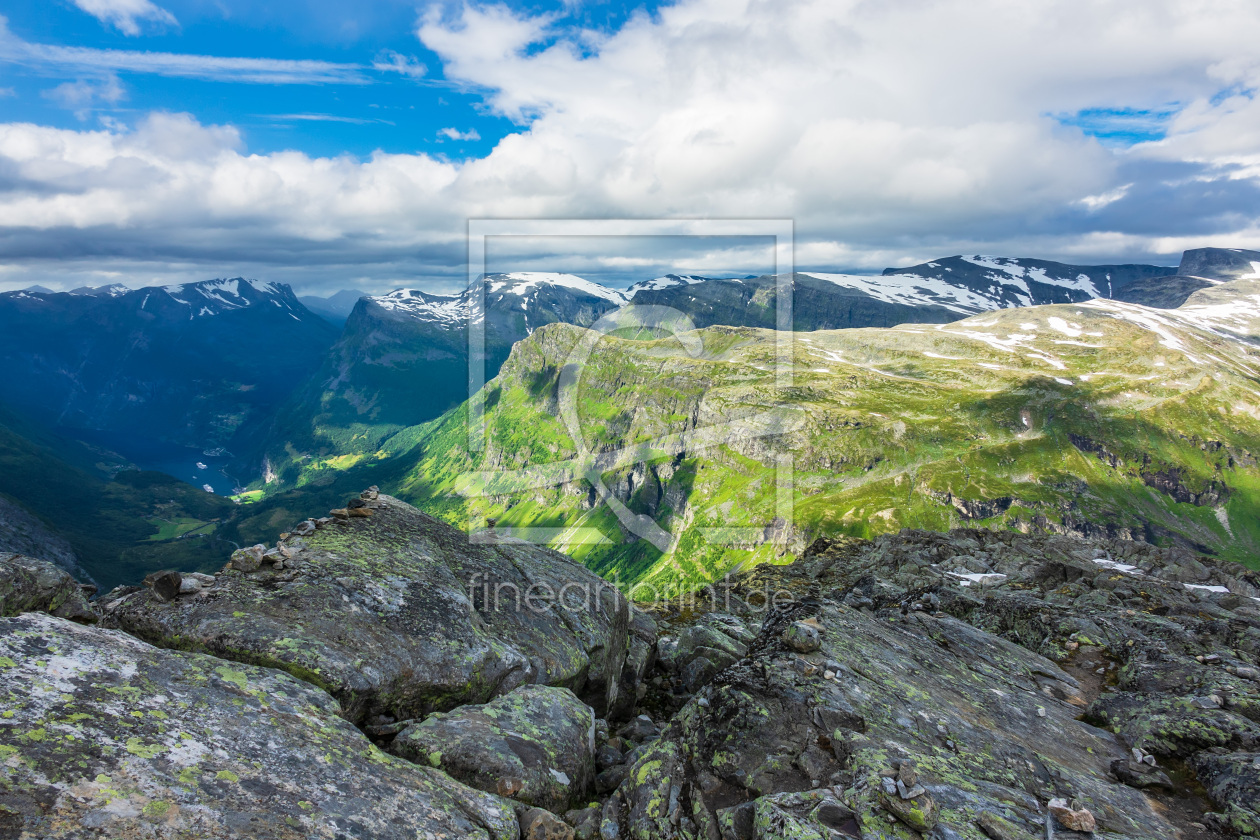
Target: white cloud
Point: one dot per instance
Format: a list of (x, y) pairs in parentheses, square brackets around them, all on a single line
[(327, 118), (81, 95), (388, 61), (456, 134), (891, 132), (126, 15), (272, 71)]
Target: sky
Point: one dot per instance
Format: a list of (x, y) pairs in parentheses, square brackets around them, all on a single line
[(333, 145)]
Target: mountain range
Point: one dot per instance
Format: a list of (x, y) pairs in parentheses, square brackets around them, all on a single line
[(403, 359), (247, 371), (197, 366)]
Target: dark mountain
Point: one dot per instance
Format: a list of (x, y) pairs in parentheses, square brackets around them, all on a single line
[(1221, 264), (936, 292), (1005, 282), (1201, 268), (193, 365), (818, 302), (1163, 292), (403, 359), (334, 308)]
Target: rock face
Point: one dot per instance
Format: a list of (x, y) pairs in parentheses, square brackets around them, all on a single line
[(28, 584), (962, 683), (535, 744), (23, 533), (106, 736), (396, 614)]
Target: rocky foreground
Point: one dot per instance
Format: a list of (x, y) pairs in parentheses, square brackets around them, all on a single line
[(358, 680)]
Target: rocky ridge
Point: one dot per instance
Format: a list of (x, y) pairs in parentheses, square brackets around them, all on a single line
[(970, 684), (397, 615)]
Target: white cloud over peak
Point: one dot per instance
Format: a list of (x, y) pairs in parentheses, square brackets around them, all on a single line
[(127, 15), (891, 131)]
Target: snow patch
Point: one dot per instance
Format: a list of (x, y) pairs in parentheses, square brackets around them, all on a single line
[(518, 283)]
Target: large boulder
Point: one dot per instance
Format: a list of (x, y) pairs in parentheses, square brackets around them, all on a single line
[(28, 584), (535, 744), (104, 735), (397, 614)]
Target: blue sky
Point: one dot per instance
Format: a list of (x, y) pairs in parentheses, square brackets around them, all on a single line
[(332, 144), (374, 110)]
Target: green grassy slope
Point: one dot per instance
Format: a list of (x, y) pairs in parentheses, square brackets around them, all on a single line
[(1095, 418)]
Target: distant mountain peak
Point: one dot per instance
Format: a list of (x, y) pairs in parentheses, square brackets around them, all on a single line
[(521, 283), (424, 306), (1220, 265), (112, 290), (667, 281)]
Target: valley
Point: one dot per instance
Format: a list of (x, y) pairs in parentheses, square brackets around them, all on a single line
[(1003, 393)]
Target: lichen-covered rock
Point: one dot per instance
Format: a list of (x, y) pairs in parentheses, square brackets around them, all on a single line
[(999, 828), (398, 614), (1233, 780), (975, 655), (28, 584), (103, 735), (811, 815), (715, 637), (802, 637), (535, 744)]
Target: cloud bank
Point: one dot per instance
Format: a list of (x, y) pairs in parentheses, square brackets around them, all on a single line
[(890, 131)]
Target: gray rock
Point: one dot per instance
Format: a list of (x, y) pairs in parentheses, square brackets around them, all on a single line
[(810, 815), (165, 585), (1233, 781), (247, 559), (802, 637), (1071, 816), (535, 744), (609, 780), (1140, 775), (999, 828), (585, 823), (716, 637), (607, 756), (28, 584), (639, 728), (907, 678), (107, 736), (538, 824), (390, 614)]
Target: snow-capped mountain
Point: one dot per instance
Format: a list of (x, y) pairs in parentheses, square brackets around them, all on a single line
[(669, 281), (190, 363), (403, 357), (980, 283), (113, 290), (539, 297), (934, 292)]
